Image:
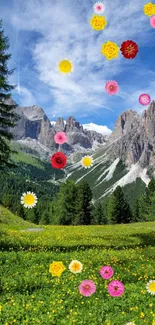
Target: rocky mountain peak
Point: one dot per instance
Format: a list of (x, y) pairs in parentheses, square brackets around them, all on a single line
[(59, 125), (33, 113), (72, 125), (127, 121)]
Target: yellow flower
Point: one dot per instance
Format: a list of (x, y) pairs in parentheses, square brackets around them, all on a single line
[(65, 66), (87, 161), (56, 268), (29, 200), (75, 266), (150, 287), (153, 322), (98, 22), (110, 50), (149, 9)]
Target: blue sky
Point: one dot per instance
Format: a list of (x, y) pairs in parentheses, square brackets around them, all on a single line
[(44, 32)]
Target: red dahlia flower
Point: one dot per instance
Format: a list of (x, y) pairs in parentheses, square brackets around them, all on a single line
[(129, 49), (58, 160)]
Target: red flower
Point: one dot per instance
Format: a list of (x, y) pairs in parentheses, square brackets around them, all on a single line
[(129, 49), (58, 160)]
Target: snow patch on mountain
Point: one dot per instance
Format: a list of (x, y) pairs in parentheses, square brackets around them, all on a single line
[(136, 171)]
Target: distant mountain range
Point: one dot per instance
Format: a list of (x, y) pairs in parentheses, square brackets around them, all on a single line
[(35, 130), (125, 158)]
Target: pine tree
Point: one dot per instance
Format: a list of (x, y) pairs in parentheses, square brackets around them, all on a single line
[(136, 211), (83, 204), (8, 117), (98, 215), (118, 208)]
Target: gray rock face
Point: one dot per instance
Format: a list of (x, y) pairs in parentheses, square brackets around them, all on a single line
[(35, 124), (133, 138)]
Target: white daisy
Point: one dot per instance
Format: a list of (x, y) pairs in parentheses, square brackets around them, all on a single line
[(87, 161), (75, 266), (150, 287), (99, 7), (29, 200)]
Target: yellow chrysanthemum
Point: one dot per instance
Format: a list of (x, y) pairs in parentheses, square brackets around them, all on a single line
[(110, 50), (56, 268), (98, 22), (29, 200), (149, 9), (65, 66), (87, 161), (75, 266), (151, 287)]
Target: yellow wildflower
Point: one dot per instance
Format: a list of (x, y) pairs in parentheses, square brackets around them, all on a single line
[(98, 22), (149, 9), (110, 50), (56, 268)]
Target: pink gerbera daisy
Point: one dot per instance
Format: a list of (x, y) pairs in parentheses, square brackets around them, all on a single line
[(106, 272), (144, 99), (116, 288), (152, 21), (112, 87), (87, 288), (99, 7), (60, 137)]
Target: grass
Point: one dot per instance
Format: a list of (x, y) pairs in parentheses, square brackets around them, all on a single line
[(30, 295)]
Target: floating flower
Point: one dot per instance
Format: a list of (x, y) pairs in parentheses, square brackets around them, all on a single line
[(106, 272), (130, 323), (87, 288), (29, 200), (111, 87), (98, 22), (152, 21), (116, 288), (75, 266), (60, 137), (150, 287), (149, 9), (65, 66), (129, 49), (99, 7), (58, 160), (56, 268), (110, 50), (87, 161), (144, 99)]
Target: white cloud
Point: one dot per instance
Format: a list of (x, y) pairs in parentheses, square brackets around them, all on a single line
[(26, 97), (103, 129)]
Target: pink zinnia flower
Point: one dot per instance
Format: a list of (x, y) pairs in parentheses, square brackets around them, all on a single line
[(106, 272), (152, 21), (87, 288), (60, 137), (116, 288), (144, 99), (111, 87)]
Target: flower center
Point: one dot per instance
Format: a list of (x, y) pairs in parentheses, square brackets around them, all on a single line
[(115, 288), (130, 49), (59, 160), (106, 272), (99, 8), (111, 87), (152, 286), (87, 286)]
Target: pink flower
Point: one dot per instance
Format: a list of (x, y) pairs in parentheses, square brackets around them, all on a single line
[(152, 21), (144, 99), (99, 7), (112, 87), (60, 137), (106, 272), (87, 288), (115, 288)]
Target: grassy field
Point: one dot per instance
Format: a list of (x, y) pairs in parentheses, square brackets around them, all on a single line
[(30, 295)]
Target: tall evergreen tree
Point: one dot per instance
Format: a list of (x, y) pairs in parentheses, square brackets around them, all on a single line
[(84, 204), (99, 215), (8, 117), (118, 208)]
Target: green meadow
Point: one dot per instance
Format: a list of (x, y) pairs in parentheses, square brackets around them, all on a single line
[(30, 295)]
